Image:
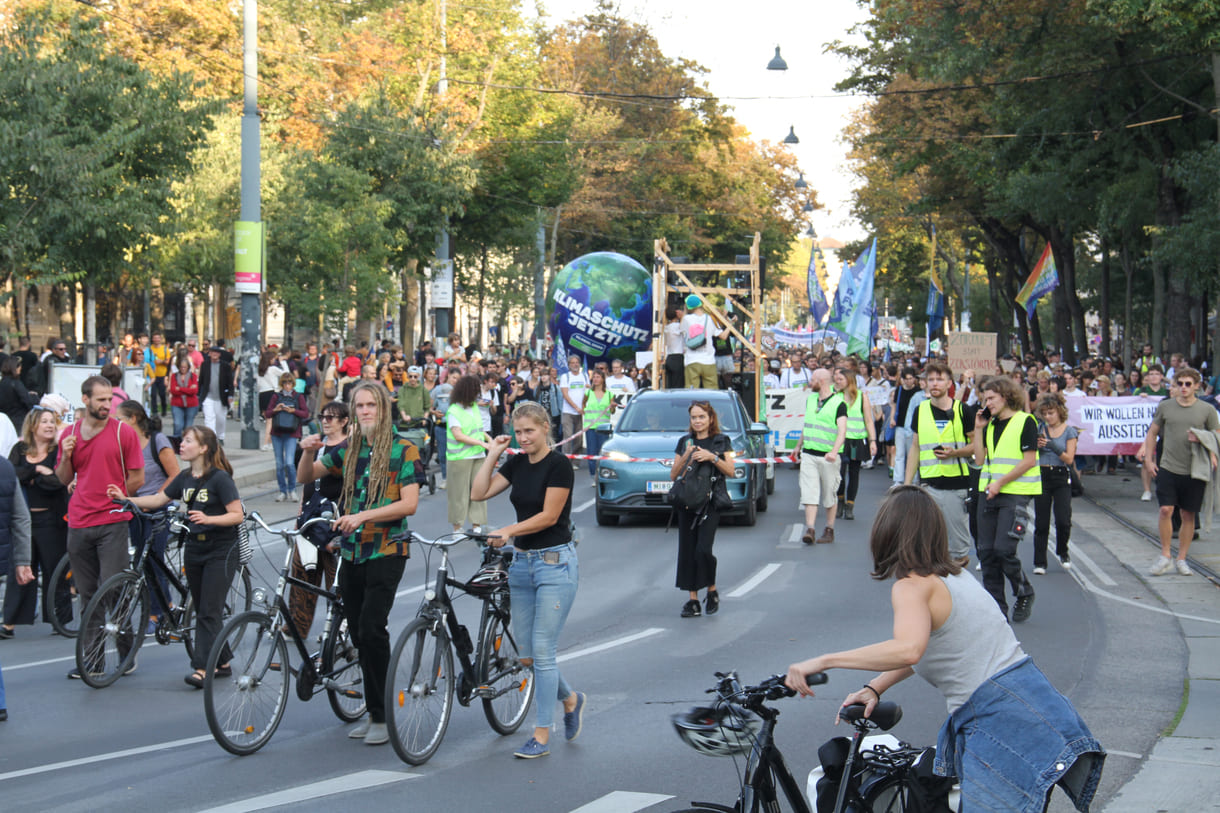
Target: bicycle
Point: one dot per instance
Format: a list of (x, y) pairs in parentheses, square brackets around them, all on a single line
[(421, 684), (115, 622), (244, 707), (65, 618), (740, 723)]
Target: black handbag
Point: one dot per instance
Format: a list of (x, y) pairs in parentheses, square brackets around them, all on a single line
[(282, 422)]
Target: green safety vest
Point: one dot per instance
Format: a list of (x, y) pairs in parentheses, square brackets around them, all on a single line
[(597, 410), (821, 428), (1005, 455), (470, 421), (952, 437), (855, 419)]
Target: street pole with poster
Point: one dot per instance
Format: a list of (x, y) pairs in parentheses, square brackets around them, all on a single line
[(248, 232), (440, 294)]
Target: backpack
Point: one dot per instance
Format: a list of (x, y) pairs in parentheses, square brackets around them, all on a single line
[(284, 423), (693, 488)]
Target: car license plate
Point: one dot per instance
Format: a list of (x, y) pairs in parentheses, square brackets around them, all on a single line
[(659, 486)]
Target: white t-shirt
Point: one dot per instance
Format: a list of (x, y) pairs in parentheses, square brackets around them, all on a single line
[(673, 339), (771, 381), (575, 384), (619, 385), (706, 353), (793, 378)]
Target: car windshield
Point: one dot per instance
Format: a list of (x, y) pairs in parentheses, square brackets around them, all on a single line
[(655, 415)]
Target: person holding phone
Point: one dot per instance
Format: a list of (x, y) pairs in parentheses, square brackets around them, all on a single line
[(1056, 455)]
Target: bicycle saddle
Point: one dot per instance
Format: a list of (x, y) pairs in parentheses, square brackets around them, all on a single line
[(885, 714)]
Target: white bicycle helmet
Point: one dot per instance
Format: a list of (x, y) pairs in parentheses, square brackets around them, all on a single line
[(489, 578), (718, 731)]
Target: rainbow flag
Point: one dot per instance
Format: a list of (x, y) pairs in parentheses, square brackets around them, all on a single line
[(1042, 280)]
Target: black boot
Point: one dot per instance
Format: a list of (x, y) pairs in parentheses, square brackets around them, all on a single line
[(849, 510)]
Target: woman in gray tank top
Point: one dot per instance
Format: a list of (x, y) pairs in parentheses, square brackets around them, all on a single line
[(1010, 736)]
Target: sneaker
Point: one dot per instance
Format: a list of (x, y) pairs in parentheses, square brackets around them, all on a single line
[(6, 633), (1161, 567), (478, 529), (868, 464), (360, 730), (574, 720), (691, 609), (377, 734), (440, 483), (73, 674), (712, 602), (1183, 568), (827, 536), (531, 750), (281, 497), (266, 447), (1146, 496), (1021, 608), (1039, 571), (809, 535), (1066, 562), (978, 565)]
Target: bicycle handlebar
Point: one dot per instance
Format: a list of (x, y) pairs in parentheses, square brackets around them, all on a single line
[(286, 533), (773, 688), (128, 505), (445, 540)]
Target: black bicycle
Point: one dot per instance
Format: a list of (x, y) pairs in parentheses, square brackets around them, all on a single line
[(244, 707), (65, 616), (421, 683), (116, 619)]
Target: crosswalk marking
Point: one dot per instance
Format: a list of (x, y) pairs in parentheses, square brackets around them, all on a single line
[(622, 801)]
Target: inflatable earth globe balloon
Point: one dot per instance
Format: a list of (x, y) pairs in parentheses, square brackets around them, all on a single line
[(600, 308)]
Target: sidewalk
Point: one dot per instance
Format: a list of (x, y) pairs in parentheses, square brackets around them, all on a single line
[(1182, 773), (251, 467)]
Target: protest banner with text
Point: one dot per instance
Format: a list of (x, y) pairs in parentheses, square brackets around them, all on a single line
[(972, 351), (1111, 425)]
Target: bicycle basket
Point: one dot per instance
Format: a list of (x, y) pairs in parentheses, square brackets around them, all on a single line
[(245, 551), (723, 730)]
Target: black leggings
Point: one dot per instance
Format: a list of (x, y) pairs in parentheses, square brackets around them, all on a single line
[(49, 535), (696, 564), (849, 478), (1056, 498)]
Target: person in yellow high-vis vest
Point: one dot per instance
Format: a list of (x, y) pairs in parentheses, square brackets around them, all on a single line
[(818, 450), (940, 452), (1006, 447)]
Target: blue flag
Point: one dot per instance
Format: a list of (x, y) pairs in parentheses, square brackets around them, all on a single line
[(817, 297), (854, 316), (936, 307)]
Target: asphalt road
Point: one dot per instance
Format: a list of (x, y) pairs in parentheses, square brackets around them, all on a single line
[(143, 744)]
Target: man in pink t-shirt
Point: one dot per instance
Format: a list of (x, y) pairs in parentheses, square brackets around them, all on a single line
[(97, 451)]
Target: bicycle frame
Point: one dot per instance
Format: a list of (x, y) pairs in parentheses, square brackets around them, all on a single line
[(766, 772)]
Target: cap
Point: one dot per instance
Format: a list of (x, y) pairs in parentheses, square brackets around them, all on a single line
[(693, 302), (413, 370), (774, 364)]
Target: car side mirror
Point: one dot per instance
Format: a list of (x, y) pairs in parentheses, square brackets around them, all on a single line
[(759, 429)]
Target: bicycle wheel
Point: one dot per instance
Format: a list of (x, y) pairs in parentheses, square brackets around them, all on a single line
[(419, 691), (510, 683), (112, 629), (888, 794), (244, 708), (345, 681), (65, 601), (239, 599)]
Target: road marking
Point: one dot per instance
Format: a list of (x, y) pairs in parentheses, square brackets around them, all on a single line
[(1101, 576), (795, 535), (1128, 754), (626, 639), (411, 590), (305, 793), (755, 580), (32, 664), (1084, 582), (129, 752), (584, 505), (621, 801)]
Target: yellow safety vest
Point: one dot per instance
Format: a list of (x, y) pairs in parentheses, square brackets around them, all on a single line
[(821, 428), (1005, 455), (597, 410), (855, 418), (952, 437), (469, 421)]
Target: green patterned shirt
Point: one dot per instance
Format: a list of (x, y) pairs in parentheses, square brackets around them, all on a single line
[(376, 539)]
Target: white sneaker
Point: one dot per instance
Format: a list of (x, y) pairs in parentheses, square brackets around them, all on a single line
[(1146, 496), (478, 529), (1161, 567), (1039, 571), (377, 734), (978, 565), (1183, 570), (1067, 563), (281, 497), (441, 484), (360, 730), (867, 464), (266, 447)]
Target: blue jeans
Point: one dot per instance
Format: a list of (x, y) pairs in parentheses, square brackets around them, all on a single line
[(183, 417), (542, 595), (593, 446), (284, 447), (439, 441)]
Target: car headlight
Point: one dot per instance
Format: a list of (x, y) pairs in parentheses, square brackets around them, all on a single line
[(607, 474), (619, 456), (739, 473)]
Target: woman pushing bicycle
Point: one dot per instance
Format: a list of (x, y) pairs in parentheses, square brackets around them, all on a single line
[(543, 575), (1010, 736), (214, 511)]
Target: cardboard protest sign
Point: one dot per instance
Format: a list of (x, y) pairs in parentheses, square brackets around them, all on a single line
[(972, 351)]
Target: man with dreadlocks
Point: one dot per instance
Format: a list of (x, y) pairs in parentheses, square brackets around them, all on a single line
[(379, 493)]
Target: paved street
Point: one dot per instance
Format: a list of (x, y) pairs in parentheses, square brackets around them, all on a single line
[(143, 743)]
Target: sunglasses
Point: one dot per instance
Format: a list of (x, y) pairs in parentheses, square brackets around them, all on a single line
[(329, 416), (1184, 383)]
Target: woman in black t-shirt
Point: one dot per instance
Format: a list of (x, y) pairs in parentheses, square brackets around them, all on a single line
[(543, 575), (704, 445), (210, 556)]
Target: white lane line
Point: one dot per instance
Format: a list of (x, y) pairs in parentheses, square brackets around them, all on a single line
[(129, 752), (622, 801), (306, 793), (1099, 574), (32, 664), (626, 639), (795, 535), (583, 506), (1128, 754), (755, 580), (1084, 582), (411, 590)]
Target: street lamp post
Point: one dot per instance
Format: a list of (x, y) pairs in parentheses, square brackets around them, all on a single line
[(251, 212)]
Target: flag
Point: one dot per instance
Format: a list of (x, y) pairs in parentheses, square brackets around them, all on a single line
[(1042, 280), (936, 307), (854, 315), (888, 357), (817, 297)]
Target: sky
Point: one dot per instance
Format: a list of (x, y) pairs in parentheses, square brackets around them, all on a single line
[(734, 41)]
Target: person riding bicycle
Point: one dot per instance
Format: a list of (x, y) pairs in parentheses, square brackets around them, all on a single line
[(213, 509), (1010, 736), (543, 575), (379, 493)]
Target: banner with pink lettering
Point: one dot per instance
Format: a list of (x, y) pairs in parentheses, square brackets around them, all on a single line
[(1111, 425)]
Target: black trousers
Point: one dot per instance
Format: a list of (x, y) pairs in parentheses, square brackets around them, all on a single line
[(696, 564), (675, 371), (157, 393), (49, 535), (1056, 498), (210, 567), (1002, 523), (368, 590), (849, 478)]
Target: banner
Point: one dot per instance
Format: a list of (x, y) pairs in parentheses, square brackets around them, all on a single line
[(1111, 425), (785, 418), (818, 308), (247, 257), (972, 351), (797, 338), (1042, 280), (600, 308)]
